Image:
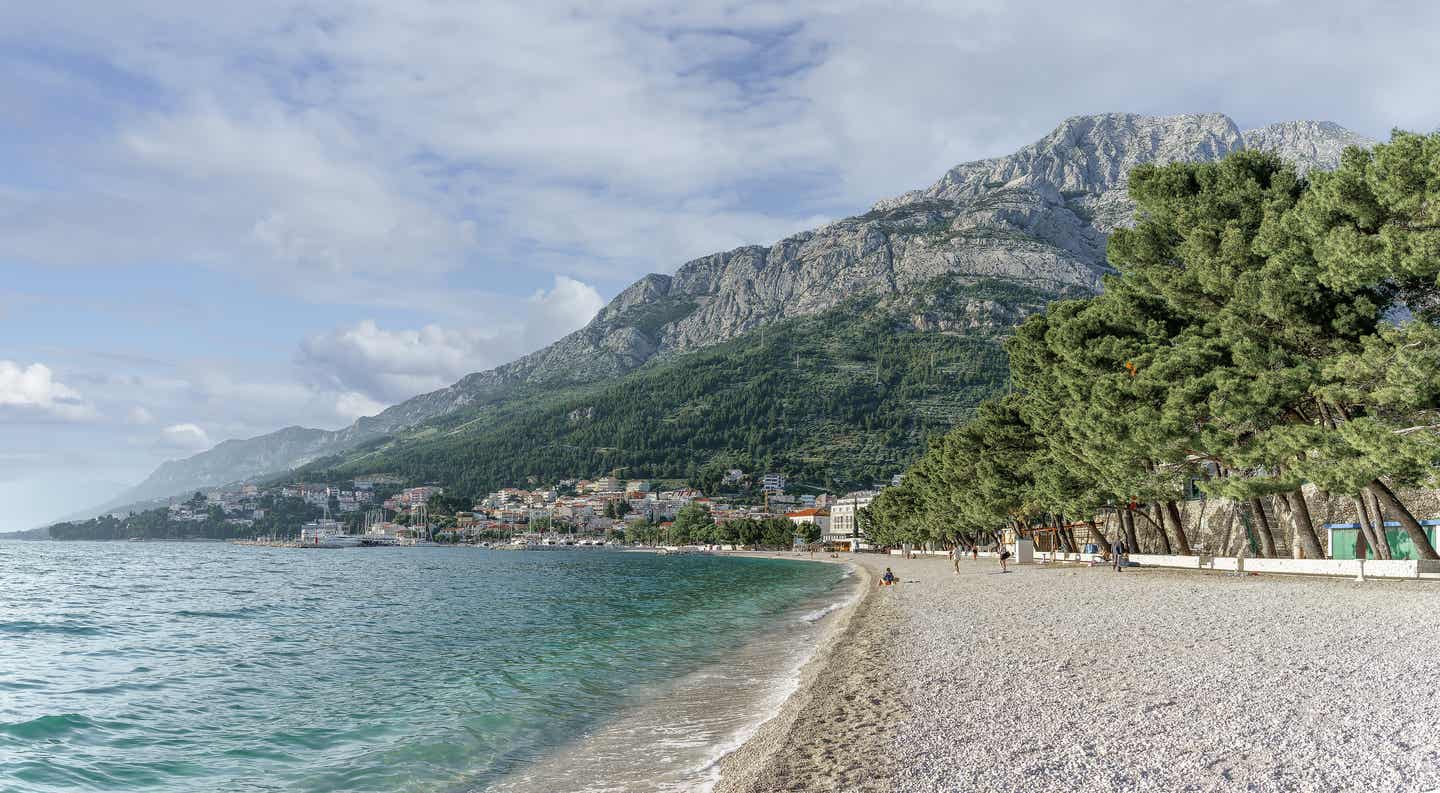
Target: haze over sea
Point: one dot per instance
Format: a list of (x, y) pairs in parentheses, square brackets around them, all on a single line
[(197, 667)]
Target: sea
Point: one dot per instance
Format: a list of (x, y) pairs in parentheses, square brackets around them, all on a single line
[(214, 667)]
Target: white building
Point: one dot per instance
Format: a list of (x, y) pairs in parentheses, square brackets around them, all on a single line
[(773, 483), (844, 528), (605, 484), (819, 518)]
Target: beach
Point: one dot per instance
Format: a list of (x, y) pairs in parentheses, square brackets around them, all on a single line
[(1078, 678)]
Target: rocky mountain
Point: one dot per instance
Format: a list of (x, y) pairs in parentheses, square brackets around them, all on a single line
[(231, 461), (1037, 218), (1309, 144)]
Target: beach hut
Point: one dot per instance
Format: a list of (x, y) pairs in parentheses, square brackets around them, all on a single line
[(1343, 537)]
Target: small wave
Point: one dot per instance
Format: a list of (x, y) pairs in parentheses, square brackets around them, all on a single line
[(44, 727), (240, 614), (27, 626), (819, 614), (118, 688)]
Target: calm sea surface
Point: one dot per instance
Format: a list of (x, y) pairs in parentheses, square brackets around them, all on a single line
[(200, 667)]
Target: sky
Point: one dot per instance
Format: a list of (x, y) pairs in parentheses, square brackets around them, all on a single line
[(217, 220)]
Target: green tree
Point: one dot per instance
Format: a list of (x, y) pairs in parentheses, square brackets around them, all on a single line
[(693, 524), (810, 532)]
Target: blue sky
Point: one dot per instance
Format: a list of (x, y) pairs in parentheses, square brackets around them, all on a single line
[(215, 222)]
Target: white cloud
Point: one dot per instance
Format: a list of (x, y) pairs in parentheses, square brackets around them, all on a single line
[(315, 198), (33, 391), (385, 366), (185, 437), (565, 307), (353, 405), (388, 365), (139, 415), (301, 138)]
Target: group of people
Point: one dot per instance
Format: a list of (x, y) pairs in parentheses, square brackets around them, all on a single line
[(956, 553), (1116, 556), (1117, 553)]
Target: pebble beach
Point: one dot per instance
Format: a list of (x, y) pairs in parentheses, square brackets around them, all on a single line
[(1072, 678)]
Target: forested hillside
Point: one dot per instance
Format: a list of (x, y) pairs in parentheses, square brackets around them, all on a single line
[(840, 399)]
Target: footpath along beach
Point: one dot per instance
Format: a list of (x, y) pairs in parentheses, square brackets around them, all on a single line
[(1076, 678)]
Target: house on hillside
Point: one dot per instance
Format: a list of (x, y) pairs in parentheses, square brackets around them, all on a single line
[(606, 484)]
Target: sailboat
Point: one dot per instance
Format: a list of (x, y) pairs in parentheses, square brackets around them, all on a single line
[(327, 533), (377, 530), (420, 527)]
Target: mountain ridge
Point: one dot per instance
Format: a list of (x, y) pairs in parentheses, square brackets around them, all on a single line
[(1038, 217)]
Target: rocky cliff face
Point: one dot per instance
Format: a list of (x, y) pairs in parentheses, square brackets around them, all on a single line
[(1038, 217), (1309, 144), (1086, 161)]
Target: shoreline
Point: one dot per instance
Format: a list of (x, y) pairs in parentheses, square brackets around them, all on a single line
[(843, 682)]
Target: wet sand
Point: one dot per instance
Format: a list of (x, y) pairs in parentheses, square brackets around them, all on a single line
[(832, 733)]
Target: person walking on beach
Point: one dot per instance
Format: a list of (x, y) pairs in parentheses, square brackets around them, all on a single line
[(1004, 559), (955, 558), (974, 552), (1117, 549)]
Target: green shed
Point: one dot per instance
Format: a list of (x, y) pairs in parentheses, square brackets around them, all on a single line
[(1344, 535)]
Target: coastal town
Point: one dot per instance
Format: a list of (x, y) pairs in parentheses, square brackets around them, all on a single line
[(383, 509)]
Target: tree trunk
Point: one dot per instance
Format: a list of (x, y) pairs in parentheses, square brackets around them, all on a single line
[(1287, 544), (1423, 548), (1377, 525), (1159, 521), (1371, 528), (1304, 530), (1251, 543), (1068, 533), (1127, 523), (1182, 543), (1145, 513), (1262, 528), (1096, 534), (1365, 542)]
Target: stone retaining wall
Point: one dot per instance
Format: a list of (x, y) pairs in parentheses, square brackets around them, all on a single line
[(1213, 525)]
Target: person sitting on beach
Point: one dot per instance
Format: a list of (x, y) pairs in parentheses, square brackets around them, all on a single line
[(888, 579), (1004, 560)]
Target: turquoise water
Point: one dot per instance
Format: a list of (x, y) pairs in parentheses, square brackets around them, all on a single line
[(197, 667)]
